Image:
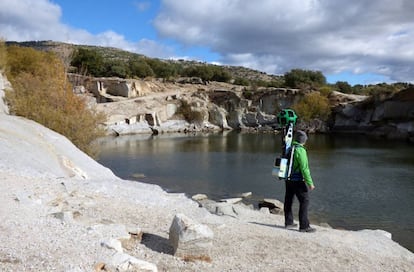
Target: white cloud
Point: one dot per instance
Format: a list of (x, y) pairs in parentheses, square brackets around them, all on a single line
[(28, 20), (275, 36), (24, 19), (153, 49), (333, 36), (142, 6)]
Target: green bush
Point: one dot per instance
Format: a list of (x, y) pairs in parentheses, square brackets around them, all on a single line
[(189, 114), (116, 68), (298, 78), (202, 71), (325, 90), (140, 68), (162, 69), (313, 105), (248, 94), (275, 84), (42, 93), (343, 87), (207, 72), (259, 83), (220, 74), (241, 81), (89, 62)]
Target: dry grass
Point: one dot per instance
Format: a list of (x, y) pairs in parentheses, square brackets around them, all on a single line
[(42, 93), (202, 258)]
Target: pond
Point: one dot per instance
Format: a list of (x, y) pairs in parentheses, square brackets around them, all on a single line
[(361, 183)]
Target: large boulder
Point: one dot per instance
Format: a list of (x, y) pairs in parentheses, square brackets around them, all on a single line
[(275, 206), (190, 240)]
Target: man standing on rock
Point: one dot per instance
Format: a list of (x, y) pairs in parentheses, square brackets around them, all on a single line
[(299, 183)]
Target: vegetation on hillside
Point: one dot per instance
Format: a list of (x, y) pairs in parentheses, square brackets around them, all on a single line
[(111, 62), (313, 106), (42, 93), (189, 114), (124, 64), (92, 62), (3, 55), (298, 78), (106, 61)]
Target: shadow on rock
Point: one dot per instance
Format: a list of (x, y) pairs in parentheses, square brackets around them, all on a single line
[(271, 225), (157, 243)]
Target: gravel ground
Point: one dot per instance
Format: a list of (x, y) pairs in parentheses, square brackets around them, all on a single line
[(33, 238)]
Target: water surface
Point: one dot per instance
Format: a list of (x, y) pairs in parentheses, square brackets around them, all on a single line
[(360, 182)]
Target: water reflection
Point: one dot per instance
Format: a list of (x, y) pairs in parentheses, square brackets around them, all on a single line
[(360, 182)]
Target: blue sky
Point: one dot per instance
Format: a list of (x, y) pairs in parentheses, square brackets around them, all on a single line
[(358, 41)]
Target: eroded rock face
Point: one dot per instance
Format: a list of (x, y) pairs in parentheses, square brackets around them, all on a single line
[(103, 88), (153, 106), (338, 98), (391, 118), (217, 106)]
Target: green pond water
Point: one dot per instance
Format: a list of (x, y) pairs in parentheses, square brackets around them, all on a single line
[(361, 183)]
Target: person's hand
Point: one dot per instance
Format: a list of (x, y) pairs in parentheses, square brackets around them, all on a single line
[(311, 187)]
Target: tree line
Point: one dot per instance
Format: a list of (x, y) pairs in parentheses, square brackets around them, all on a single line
[(94, 63)]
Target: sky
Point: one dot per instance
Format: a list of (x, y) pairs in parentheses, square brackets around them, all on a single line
[(358, 41)]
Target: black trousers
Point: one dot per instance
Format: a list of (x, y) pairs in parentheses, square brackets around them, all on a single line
[(300, 190)]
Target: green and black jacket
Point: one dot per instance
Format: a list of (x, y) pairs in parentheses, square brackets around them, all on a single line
[(300, 168)]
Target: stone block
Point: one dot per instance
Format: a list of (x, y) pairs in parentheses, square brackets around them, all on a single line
[(123, 262), (189, 239)]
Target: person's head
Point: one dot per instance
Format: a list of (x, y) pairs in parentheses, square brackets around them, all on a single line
[(301, 137)]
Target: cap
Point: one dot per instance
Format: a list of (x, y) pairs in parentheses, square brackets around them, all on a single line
[(301, 137)]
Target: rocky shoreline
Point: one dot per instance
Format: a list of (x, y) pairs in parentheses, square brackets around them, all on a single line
[(62, 211)]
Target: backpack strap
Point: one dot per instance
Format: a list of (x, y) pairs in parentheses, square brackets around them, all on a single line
[(294, 174)]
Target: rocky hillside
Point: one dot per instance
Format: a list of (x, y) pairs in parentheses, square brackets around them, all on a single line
[(389, 117), (153, 106), (65, 51), (190, 104)]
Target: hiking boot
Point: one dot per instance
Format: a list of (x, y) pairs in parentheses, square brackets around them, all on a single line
[(308, 229), (291, 226)]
